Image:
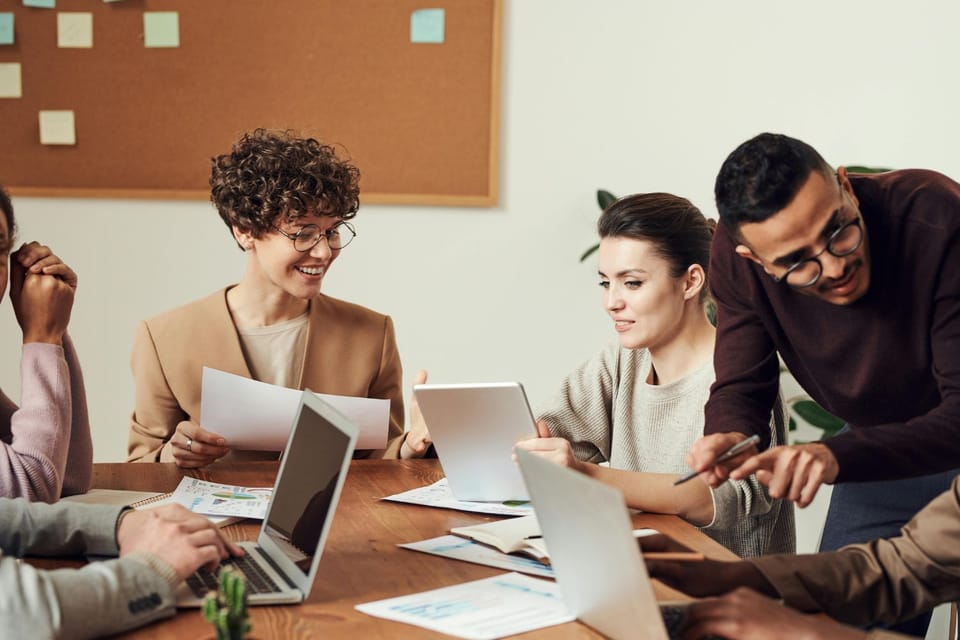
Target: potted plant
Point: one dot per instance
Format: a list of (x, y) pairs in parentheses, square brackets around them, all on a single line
[(226, 609)]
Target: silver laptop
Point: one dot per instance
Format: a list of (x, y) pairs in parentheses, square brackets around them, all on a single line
[(595, 557), (474, 428), (282, 564)]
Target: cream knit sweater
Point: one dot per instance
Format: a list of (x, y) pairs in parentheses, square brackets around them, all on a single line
[(609, 413)]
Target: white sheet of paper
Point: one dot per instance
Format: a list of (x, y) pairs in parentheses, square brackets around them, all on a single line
[(469, 551), (10, 83), (439, 495), (57, 127), (74, 30), (257, 415), (482, 610)]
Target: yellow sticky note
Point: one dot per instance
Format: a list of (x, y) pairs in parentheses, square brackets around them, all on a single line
[(161, 29), (57, 127), (10, 86), (74, 30)]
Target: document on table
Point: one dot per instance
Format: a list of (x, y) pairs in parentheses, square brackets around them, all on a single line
[(439, 495), (470, 551), (483, 609), (257, 415)]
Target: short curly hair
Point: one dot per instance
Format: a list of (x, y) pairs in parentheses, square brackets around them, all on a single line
[(269, 174)]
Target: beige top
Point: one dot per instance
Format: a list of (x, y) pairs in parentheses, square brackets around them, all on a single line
[(275, 353)]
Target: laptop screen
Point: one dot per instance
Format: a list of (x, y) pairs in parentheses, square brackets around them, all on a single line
[(303, 498)]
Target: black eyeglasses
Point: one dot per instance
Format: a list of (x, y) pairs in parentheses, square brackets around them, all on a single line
[(307, 237), (845, 240)]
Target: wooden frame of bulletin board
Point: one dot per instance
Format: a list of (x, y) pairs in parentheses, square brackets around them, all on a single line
[(420, 119)]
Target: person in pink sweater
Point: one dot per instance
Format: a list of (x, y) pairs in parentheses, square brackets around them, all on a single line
[(45, 445)]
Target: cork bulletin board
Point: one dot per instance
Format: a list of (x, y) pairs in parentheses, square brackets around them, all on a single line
[(418, 115)]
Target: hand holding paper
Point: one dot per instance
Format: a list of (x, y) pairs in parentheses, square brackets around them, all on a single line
[(257, 415)]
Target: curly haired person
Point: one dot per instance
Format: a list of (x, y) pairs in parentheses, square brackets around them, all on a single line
[(288, 202)]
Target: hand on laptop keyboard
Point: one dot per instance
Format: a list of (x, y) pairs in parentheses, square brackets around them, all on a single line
[(183, 539)]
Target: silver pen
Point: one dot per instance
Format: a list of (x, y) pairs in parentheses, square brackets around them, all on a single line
[(732, 452)]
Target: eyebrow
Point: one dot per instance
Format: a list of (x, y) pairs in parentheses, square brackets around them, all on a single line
[(621, 274), (793, 257)]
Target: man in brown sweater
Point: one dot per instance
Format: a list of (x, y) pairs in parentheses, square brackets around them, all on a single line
[(855, 281)]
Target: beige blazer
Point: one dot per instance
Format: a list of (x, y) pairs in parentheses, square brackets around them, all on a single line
[(350, 351)]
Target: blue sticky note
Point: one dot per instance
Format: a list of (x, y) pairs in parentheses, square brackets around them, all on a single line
[(427, 26), (161, 29), (6, 28), (43, 4)]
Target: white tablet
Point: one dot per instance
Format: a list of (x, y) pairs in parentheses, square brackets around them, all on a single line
[(474, 428)]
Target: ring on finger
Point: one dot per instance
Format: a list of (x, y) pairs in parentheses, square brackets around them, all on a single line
[(189, 444)]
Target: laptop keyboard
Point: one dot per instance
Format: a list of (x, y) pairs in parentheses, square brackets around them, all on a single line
[(258, 581), (673, 617)]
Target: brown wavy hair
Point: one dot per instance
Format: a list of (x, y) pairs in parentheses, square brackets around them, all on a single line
[(677, 229), (269, 174)]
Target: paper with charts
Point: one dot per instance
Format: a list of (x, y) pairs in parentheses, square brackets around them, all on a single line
[(439, 495), (212, 499), (482, 610), (257, 415), (471, 551)]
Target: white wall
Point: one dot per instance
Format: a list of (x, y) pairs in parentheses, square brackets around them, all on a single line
[(630, 96)]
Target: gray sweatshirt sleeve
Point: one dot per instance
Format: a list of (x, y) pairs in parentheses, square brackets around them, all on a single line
[(97, 599)]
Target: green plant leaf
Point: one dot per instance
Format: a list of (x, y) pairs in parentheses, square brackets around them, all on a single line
[(856, 168), (818, 417), (605, 198), (589, 252)]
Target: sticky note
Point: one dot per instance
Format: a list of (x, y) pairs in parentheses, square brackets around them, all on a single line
[(42, 4), (10, 86), (57, 127), (427, 26), (6, 28), (161, 29), (74, 30)]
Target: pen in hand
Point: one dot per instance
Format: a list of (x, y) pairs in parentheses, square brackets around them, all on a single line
[(732, 452)]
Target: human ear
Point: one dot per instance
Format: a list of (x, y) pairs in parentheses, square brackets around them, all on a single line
[(845, 186), (243, 238), (746, 252), (694, 281)]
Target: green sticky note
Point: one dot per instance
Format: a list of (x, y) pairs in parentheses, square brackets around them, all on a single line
[(6, 28), (161, 29), (427, 26), (43, 4)]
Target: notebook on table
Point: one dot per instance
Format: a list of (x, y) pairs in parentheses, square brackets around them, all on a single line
[(474, 428), (595, 557), (281, 566)]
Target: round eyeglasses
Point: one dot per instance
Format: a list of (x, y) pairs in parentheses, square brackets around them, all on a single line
[(845, 240), (307, 237)]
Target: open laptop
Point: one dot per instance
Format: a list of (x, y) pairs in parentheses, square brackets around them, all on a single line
[(474, 428), (595, 557), (282, 564)]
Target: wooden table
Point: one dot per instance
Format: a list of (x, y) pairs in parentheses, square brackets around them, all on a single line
[(361, 561)]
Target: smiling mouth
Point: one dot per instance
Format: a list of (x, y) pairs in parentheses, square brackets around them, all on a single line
[(845, 280), (310, 271)]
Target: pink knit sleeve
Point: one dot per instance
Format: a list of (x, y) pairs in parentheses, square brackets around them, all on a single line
[(79, 471), (36, 436)]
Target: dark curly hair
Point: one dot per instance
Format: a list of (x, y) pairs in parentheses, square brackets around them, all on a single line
[(676, 228), (762, 176), (7, 208), (269, 174)]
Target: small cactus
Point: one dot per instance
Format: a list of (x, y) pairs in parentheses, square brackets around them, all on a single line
[(226, 609)]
